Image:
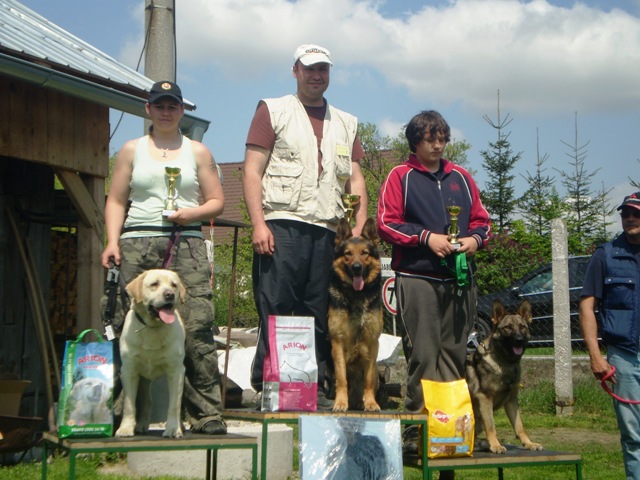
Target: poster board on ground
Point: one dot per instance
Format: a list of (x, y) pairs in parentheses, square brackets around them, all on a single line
[(334, 447)]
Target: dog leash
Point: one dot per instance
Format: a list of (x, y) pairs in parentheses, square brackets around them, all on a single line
[(173, 240), (462, 268), (111, 291), (607, 378)]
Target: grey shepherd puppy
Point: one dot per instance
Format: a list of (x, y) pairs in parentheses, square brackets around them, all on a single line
[(493, 374)]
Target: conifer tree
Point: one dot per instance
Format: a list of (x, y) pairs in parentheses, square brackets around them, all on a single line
[(498, 195)]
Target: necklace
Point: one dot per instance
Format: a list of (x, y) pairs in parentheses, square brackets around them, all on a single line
[(165, 152)]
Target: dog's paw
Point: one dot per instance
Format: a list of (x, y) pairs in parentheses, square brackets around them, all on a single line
[(125, 431), (142, 429), (371, 407), (498, 448), (340, 406), (172, 433), (532, 446)]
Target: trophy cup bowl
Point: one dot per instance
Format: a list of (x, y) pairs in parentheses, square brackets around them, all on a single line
[(454, 230), (350, 200), (172, 173)]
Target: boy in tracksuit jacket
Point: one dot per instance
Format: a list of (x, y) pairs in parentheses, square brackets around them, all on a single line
[(436, 307)]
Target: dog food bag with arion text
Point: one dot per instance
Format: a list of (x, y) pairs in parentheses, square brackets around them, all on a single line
[(451, 422), (85, 406), (290, 372)]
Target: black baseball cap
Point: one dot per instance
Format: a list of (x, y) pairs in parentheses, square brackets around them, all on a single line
[(165, 89)]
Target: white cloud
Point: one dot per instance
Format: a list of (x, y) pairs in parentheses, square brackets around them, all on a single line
[(547, 58), (389, 127)]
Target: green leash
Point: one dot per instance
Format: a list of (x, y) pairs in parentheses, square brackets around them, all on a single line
[(462, 269)]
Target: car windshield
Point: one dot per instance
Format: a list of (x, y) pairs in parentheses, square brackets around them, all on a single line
[(539, 283)]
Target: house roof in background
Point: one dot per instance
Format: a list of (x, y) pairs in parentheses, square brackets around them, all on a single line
[(32, 47)]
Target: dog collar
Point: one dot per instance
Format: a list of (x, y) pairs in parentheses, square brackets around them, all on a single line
[(140, 319)]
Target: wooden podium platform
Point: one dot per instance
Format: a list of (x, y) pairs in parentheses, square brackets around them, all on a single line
[(515, 456), (154, 441)]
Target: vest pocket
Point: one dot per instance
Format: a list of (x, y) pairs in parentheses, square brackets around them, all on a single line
[(282, 186), (343, 167), (619, 309), (620, 292)]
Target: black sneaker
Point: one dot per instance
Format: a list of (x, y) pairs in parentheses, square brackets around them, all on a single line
[(324, 403), (212, 427)]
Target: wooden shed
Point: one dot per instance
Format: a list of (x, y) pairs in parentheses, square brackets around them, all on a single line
[(56, 93)]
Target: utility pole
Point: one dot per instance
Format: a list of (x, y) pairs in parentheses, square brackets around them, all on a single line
[(159, 64), (160, 54)]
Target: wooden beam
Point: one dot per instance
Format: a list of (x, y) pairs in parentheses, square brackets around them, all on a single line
[(90, 272), (87, 207)]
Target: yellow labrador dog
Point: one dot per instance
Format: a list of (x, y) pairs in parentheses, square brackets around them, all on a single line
[(152, 345)]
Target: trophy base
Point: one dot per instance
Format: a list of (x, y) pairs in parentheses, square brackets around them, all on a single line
[(166, 213), (456, 245)]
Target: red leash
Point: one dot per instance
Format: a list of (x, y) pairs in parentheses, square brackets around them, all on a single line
[(604, 384), (173, 241)]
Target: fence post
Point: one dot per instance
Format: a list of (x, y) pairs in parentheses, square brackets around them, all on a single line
[(561, 318)]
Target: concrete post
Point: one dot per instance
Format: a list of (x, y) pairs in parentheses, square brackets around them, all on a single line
[(159, 64), (561, 318)]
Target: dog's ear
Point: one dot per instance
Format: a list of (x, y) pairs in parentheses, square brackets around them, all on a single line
[(183, 293), (498, 311), (369, 231), (524, 310), (134, 288), (344, 231)]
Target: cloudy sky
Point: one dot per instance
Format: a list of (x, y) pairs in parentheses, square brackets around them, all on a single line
[(552, 62)]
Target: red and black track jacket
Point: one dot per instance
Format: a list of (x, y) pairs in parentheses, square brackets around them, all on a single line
[(413, 203)]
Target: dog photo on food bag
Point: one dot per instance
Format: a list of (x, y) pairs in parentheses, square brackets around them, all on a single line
[(90, 397), (355, 317), (152, 345), (493, 374)]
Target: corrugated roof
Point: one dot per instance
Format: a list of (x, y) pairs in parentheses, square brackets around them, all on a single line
[(30, 36)]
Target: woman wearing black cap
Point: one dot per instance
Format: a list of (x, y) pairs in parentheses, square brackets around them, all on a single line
[(163, 186)]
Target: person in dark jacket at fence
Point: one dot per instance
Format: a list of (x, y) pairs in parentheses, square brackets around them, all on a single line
[(610, 303), (436, 297)]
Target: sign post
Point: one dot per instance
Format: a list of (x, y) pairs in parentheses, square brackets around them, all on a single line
[(388, 289)]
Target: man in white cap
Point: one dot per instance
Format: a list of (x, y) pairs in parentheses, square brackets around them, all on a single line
[(610, 303), (301, 155)]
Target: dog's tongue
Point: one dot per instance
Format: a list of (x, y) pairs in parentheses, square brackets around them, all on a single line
[(358, 283), (167, 315), (518, 350)]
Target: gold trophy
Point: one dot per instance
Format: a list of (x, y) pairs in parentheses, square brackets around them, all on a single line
[(172, 193), (350, 200), (454, 230)]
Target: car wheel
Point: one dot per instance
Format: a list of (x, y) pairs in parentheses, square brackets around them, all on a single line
[(482, 328)]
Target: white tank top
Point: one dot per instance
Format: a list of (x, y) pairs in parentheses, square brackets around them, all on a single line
[(149, 185)]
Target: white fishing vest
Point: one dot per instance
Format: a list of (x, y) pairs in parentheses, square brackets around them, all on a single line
[(291, 187)]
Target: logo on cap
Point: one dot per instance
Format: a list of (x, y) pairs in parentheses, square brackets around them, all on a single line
[(166, 86)]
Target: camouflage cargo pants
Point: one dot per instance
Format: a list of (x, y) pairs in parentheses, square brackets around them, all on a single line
[(202, 396)]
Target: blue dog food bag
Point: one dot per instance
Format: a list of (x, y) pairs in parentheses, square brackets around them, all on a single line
[(85, 405)]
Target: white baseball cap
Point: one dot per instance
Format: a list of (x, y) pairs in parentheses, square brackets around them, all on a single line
[(310, 54)]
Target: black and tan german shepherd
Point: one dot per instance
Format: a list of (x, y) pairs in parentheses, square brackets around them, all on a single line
[(355, 317), (493, 374)]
